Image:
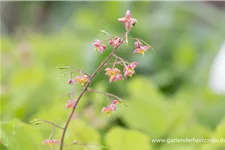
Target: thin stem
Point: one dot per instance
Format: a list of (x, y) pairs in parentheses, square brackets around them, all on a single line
[(126, 35), (71, 72), (122, 34), (123, 61), (48, 122), (114, 63), (84, 90), (107, 94), (118, 62), (53, 128), (104, 93), (103, 31)]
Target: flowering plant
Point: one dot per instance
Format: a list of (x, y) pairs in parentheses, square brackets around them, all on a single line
[(113, 72)]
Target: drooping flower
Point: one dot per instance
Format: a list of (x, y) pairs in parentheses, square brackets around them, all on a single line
[(51, 142), (82, 79), (129, 69), (127, 20), (109, 109), (70, 103), (114, 74), (116, 101), (71, 81), (140, 48), (115, 42), (99, 46)]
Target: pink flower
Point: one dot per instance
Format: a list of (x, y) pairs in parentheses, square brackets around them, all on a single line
[(71, 81), (127, 20), (82, 79), (70, 103), (138, 43), (115, 42), (99, 46), (50, 142), (116, 101), (109, 109), (129, 69), (140, 48), (114, 74)]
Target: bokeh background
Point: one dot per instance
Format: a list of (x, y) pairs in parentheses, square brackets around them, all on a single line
[(169, 96)]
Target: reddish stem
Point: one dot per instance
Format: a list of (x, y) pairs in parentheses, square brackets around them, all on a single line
[(85, 89)]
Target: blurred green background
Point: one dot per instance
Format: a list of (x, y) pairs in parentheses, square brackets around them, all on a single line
[(169, 96)]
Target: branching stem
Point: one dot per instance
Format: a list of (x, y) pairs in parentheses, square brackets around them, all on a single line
[(86, 88)]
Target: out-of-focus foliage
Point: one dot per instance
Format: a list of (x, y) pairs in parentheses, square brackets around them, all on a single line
[(118, 138), (167, 98)]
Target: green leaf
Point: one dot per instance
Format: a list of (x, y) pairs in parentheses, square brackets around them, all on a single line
[(122, 139), (83, 134), (219, 135), (16, 135), (146, 108)]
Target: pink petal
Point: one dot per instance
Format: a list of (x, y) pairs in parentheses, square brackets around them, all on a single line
[(128, 14), (133, 21), (128, 73), (71, 81), (111, 79), (136, 44), (136, 50), (124, 69), (104, 109), (77, 79), (134, 64), (97, 41), (101, 49), (119, 77), (55, 141), (96, 44), (70, 103), (108, 69), (145, 47), (45, 141), (122, 20), (111, 42), (116, 70), (103, 46), (115, 101), (112, 107)]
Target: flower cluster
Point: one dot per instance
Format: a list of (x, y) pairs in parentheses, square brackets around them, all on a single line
[(110, 108), (51, 142), (129, 69), (70, 103), (82, 79), (79, 79), (127, 20), (140, 48), (115, 42), (114, 74), (99, 46)]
